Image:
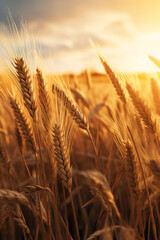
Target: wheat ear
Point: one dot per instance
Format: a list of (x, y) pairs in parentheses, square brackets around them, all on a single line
[(72, 108), (44, 99), (155, 169), (25, 83), (10, 196), (155, 61), (62, 156), (23, 124), (100, 189), (142, 109), (80, 96), (20, 221), (5, 212), (76, 115), (95, 110), (114, 80), (132, 170)]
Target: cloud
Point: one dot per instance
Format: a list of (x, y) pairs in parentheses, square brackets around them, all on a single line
[(62, 29), (142, 13), (68, 41), (40, 10)]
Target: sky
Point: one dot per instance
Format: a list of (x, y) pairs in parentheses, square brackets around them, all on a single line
[(125, 32)]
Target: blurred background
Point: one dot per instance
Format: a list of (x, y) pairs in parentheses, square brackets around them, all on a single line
[(126, 31)]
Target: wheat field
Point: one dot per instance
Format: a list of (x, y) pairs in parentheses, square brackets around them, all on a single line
[(79, 155)]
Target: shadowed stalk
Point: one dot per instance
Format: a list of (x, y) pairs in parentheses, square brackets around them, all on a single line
[(140, 218), (37, 232), (146, 187), (84, 213), (75, 216), (100, 218), (149, 228), (157, 210), (38, 197), (26, 166), (97, 165), (5, 164), (109, 159), (44, 182), (157, 141), (46, 199), (65, 171), (57, 145), (65, 206), (117, 178), (59, 215), (27, 132), (20, 144), (40, 154)]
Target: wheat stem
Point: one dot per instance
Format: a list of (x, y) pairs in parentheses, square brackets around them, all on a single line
[(75, 216), (146, 187)]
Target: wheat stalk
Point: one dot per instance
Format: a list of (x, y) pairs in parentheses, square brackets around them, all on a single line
[(51, 161), (146, 186), (155, 93), (88, 78), (5, 163), (153, 196), (19, 136)]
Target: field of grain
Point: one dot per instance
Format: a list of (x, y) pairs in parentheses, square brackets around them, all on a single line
[(79, 155)]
